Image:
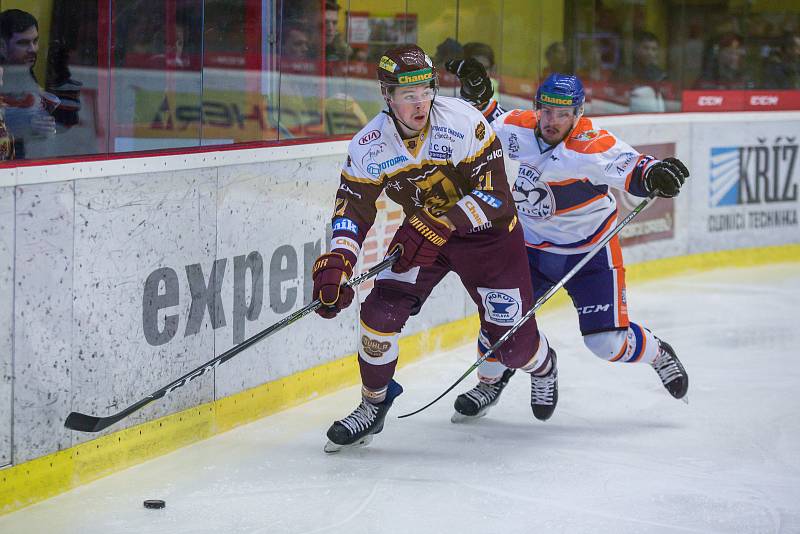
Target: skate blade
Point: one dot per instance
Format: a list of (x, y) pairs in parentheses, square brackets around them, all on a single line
[(459, 418), (332, 447), (685, 399)]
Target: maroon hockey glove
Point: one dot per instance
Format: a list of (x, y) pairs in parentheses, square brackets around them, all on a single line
[(666, 177), (330, 271), (421, 236)]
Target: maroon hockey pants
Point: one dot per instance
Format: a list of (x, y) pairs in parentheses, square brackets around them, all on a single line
[(493, 267)]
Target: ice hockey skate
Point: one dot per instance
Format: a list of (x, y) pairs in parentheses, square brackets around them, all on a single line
[(671, 371), (476, 402), (358, 428), (544, 392)]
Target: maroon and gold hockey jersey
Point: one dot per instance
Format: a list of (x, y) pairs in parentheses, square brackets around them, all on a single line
[(455, 168)]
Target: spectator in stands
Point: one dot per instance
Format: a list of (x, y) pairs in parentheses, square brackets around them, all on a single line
[(60, 82), (482, 53), (590, 66), (646, 58), (336, 47), (6, 139), (782, 70), (557, 60), (29, 109), (645, 75), (725, 69), (296, 43), (447, 50)]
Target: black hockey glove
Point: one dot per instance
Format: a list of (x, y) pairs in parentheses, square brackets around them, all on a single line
[(666, 177), (476, 87)]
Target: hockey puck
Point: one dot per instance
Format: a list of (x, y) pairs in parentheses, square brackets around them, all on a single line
[(154, 503)]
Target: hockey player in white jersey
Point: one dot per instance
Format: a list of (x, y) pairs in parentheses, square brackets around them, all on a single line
[(565, 207)]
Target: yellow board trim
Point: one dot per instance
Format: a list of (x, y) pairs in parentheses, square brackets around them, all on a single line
[(45, 477)]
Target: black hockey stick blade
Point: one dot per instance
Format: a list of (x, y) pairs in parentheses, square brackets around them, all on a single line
[(91, 423), (544, 298)]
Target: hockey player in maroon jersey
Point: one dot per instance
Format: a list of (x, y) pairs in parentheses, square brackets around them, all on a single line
[(438, 158), (564, 205)]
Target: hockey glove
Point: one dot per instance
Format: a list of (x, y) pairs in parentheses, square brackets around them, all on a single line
[(421, 236), (666, 177), (476, 87), (330, 271)]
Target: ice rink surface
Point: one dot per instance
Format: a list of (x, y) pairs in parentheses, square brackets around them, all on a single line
[(619, 455)]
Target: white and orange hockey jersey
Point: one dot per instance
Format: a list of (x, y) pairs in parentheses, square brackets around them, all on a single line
[(562, 191)]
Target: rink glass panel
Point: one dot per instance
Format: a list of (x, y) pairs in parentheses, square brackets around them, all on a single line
[(180, 74)]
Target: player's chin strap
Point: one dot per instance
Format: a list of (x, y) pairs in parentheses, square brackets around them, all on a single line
[(397, 119)]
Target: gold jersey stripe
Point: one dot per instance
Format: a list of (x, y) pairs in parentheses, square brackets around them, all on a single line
[(350, 178), (481, 150)]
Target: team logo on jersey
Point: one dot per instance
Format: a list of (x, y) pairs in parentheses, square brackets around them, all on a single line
[(345, 224), (588, 135), (480, 131), (513, 145), (373, 151), (438, 151), (489, 199), (533, 197), (374, 348), (375, 169), (621, 163), (502, 306), (369, 137), (445, 132)]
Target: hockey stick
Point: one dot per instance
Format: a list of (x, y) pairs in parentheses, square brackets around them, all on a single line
[(544, 298), (90, 423)]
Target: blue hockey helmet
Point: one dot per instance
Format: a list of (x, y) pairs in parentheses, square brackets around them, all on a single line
[(560, 90)]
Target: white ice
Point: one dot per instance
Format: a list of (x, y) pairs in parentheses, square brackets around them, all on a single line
[(619, 455)]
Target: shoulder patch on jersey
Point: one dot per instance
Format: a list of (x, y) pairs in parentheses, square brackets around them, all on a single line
[(368, 137), (480, 131), (524, 118), (587, 140)]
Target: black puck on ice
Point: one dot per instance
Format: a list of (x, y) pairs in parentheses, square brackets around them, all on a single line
[(154, 503)]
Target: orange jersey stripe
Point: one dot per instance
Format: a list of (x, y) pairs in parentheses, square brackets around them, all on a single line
[(567, 182), (619, 273), (579, 206), (602, 232), (522, 118)]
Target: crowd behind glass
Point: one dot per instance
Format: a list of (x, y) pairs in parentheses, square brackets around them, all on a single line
[(83, 77)]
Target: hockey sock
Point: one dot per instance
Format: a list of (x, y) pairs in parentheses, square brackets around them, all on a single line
[(490, 371), (541, 363), (636, 344), (375, 396)]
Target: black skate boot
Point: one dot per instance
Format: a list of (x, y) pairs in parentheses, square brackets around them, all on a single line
[(544, 392), (671, 371), (476, 402), (357, 429)]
